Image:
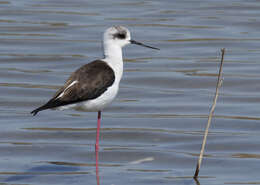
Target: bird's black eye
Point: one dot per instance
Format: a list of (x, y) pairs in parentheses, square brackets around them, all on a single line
[(120, 35)]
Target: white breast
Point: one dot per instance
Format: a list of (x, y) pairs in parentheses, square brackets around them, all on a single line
[(102, 101)]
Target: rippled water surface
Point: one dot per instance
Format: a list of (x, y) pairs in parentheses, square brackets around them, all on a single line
[(152, 132)]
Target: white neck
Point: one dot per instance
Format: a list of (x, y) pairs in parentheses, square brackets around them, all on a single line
[(113, 56), (112, 51)]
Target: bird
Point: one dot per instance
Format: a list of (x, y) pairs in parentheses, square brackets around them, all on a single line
[(95, 85)]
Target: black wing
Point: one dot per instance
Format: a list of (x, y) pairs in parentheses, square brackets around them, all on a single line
[(86, 83)]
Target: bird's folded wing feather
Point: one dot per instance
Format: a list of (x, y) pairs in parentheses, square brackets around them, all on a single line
[(88, 82)]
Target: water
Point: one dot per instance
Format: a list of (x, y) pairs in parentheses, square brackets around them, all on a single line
[(152, 132)]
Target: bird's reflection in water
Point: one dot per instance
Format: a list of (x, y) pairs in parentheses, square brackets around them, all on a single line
[(97, 174), (150, 158)]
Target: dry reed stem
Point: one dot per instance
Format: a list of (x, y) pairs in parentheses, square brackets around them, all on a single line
[(219, 83)]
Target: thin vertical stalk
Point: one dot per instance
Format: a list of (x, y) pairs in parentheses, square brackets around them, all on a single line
[(219, 83)]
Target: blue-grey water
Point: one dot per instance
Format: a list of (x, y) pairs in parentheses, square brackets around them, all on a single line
[(152, 133)]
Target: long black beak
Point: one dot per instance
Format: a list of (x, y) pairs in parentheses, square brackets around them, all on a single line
[(141, 44)]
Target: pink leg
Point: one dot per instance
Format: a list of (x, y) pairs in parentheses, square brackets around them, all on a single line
[(98, 128), (97, 145)]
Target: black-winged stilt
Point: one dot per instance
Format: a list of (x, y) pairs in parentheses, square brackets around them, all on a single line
[(94, 85)]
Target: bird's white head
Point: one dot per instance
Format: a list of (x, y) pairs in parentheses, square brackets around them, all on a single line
[(117, 37)]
